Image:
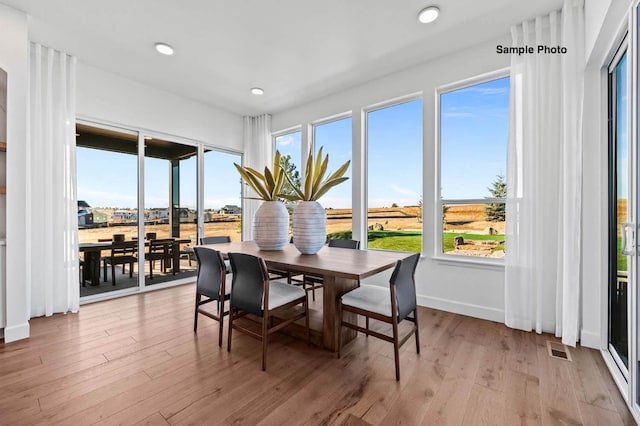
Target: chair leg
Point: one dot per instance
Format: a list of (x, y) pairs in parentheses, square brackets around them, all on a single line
[(415, 317), (230, 329), (265, 340), (195, 318), (366, 326), (221, 316), (306, 317), (113, 274), (396, 353), (104, 271), (339, 344), (131, 270)]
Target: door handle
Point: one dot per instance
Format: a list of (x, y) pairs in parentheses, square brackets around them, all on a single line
[(628, 239)]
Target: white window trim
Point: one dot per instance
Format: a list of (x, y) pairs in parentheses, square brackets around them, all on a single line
[(439, 254), (364, 243)]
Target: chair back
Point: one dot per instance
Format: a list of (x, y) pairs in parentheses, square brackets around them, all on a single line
[(218, 239), (161, 246), (211, 272), (118, 237), (123, 248), (248, 284), (403, 279), (345, 243)]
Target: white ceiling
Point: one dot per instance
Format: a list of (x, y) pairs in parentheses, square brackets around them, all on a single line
[(297, 50)]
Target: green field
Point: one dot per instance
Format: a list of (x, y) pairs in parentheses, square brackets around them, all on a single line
[(411, 241)]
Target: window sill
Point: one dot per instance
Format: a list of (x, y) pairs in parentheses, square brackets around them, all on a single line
[(495, 264)]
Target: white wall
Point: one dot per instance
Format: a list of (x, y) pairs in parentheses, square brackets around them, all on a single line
[(110, 98), (14, 59), (468, 289)]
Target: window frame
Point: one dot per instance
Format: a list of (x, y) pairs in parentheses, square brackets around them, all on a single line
[(364, 244), (439, 202)]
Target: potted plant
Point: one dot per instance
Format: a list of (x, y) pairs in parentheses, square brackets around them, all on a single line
[(271, 220), (309, 217)]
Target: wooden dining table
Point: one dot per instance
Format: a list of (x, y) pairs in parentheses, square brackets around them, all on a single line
[(342, 269), (93, 254)]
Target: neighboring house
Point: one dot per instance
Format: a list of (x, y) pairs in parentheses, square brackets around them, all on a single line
[(85, 214), (230, 209), (157, 214), (124, 216)]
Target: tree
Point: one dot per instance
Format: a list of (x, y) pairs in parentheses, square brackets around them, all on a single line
[(394, 205), (291, 171), (495, 212)]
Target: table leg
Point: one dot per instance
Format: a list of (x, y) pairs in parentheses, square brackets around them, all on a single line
[(91, 270), (333, 288)]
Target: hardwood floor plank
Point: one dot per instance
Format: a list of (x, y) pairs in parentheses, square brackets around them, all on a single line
[(136, 360)]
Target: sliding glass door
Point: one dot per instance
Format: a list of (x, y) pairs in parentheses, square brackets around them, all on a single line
[(621, 226)]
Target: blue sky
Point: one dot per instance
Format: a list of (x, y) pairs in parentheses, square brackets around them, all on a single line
[(473, 132), (621, 128), (473, 152)]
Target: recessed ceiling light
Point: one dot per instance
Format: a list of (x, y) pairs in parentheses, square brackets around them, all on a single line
[(428, 14), (164, 48), (257, 91)]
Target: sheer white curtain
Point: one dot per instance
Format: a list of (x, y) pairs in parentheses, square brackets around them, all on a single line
[(544, 190), (52, 235), (257, 154)]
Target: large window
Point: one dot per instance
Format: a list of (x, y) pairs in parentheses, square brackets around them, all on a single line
[(290, 147), (222, 195), (473, 163), (394, 177), (335, 139)]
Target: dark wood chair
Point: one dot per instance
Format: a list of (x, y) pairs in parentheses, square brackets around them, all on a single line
[(253, 293), (390, 304), (211, 283), (122, 253), (218, 239), (314, 281), (159, 250)]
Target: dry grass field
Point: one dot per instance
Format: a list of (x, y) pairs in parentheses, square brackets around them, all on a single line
[(458, 218)]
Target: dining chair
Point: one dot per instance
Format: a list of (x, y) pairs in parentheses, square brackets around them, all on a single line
[(253, 293), (211, 283), (159, 250), (390, 304), (315, 281), (218, 239), (122, 253)]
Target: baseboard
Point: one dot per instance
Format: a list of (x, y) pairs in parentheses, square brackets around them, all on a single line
[(589, 339), (16, 332), (476, 311)]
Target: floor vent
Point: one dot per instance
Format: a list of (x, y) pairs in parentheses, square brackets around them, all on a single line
[(558, 350)]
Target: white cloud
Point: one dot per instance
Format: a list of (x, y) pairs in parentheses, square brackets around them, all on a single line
[(403, 191), (284, 140)]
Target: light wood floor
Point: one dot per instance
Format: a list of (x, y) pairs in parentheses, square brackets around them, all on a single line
[(137, 360)]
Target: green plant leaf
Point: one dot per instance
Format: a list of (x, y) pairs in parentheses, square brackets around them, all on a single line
[(320, 172), (341, 171), (269, 181), (308, 178), (299, 195), (253, 181)]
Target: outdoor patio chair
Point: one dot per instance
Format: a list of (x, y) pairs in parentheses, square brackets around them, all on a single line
[(253, 293), (390, 304), (122, 253)]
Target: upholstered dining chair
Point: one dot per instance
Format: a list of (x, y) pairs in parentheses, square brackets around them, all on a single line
[(314, 281), (211, 283), (218, 239), (390, 304), (253, 293)]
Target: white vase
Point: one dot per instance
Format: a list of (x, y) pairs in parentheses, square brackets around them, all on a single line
[(309, 227), (271, 226)]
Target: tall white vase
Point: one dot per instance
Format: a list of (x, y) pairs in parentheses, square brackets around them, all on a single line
[(309, 227), (271, 226)]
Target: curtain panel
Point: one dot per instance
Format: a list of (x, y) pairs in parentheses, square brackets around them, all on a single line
[(544, 176), (52, 226), (258, 153)]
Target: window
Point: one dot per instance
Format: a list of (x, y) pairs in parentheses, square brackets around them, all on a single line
[(335, 138), (394, 177), (473, 162), (222, 195), (290, 147)]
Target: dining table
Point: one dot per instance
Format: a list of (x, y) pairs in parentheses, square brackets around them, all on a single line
[(92, 255), (341, 269)]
